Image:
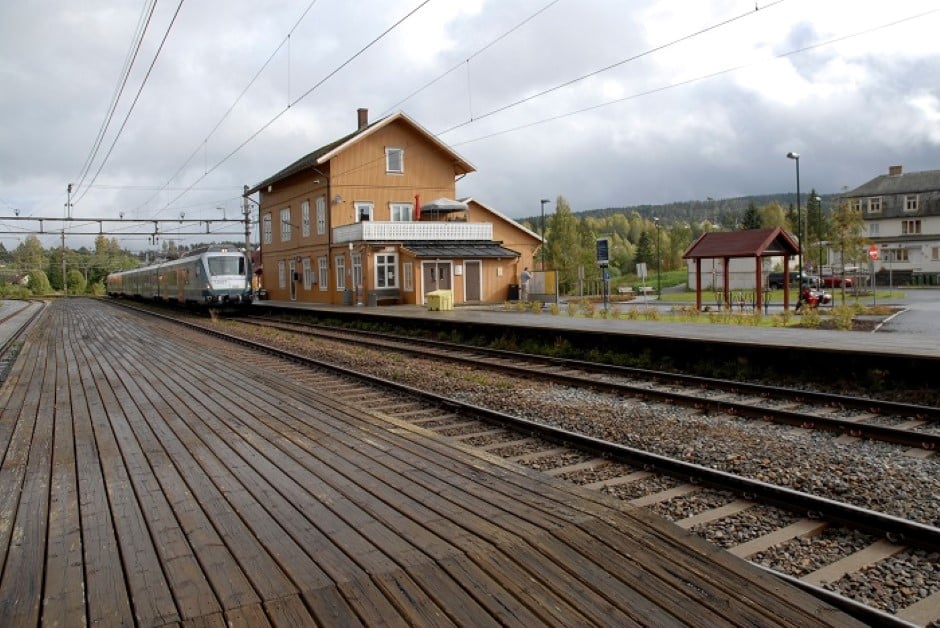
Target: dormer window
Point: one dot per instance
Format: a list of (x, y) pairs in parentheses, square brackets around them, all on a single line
[(910, 203), (395, 160), (874, 205)]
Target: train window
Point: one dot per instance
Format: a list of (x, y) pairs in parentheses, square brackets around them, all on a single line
[(233, 265)]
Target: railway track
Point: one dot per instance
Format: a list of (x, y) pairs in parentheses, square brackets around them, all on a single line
[(16, 318), (750, 518), (909, 425)]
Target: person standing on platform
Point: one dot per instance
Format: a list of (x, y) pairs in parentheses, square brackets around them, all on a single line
[(525, 277)]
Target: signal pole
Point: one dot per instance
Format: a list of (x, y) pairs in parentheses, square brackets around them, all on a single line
[(68, 214), (246, 209)]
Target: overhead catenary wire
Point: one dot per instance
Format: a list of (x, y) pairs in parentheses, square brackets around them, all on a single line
[(303, 96), (689, 81), (203, 144), (136, 42), (606, 68), (140, 90), (469, 58)]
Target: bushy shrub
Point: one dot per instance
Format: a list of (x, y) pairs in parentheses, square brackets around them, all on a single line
[(39, 283)]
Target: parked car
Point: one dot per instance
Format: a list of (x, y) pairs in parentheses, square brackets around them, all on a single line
[(835, 281), (775, 280)]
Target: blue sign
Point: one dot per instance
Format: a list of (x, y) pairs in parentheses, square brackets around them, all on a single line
[(603, 256)]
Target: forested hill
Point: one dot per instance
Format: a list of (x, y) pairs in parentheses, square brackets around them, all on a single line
[(724, 212)]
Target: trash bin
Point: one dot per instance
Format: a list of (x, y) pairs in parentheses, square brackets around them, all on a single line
[(373, 299), (348, 297), (513, 292)]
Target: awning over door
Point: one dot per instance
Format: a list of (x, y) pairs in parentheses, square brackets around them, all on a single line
[(460, 250)]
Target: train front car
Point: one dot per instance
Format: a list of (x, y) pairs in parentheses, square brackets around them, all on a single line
[(227, 277)]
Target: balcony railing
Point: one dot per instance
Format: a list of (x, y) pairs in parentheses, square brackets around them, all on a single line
[(374, 231)]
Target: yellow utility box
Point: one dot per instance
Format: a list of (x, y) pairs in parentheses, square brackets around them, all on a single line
[(440, 300)]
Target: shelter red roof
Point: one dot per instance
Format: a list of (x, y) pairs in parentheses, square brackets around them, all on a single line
[(751, 243)]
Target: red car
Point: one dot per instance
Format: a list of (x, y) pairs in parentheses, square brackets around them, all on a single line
[(835, 281)]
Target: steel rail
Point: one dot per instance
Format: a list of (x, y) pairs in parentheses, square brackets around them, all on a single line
[(841, 426)]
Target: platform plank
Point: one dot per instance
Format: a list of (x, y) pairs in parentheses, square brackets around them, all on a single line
[(64, 598)]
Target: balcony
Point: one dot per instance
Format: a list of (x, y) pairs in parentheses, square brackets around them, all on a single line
[(374, 231)]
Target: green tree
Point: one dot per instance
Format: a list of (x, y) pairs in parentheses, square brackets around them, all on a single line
[(54, 269), (76, 281), (644, 252), (818, 228), (563, 249), (773, 215), (679, 239), (38, 283), (751, 218), (29, 255), (848, 239)]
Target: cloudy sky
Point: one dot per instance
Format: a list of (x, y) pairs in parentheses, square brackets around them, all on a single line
[(605, 102)]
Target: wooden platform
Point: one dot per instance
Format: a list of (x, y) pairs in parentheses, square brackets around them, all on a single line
[(149, 477)]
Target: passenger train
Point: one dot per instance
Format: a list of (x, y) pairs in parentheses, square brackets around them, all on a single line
[(216, 275)]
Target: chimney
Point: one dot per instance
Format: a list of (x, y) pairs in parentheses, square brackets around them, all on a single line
[(363, 117), (894, 171)]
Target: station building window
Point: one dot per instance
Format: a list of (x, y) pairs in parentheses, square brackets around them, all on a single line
[(385, 267), (324, 273)]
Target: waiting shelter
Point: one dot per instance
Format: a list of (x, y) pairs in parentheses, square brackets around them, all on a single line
[(756, 243)]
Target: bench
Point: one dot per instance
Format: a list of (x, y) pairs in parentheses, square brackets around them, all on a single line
[(392, 295), (645, 290), (625, 290)]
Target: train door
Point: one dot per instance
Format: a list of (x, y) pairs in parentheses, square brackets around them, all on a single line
[(292, 276)]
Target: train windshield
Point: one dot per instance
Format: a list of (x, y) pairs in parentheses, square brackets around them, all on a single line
[(227, 265)]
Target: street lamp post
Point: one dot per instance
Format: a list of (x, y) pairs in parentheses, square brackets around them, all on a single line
[(659, 261), (819, 224), (799, 217), (543, 201)]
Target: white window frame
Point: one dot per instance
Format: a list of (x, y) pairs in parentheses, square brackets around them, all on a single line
[(935, 253), (308, 273), (910, 203), (285, 224), (305, 219), (357, 270), (407, 277), (266, 234), (340, 263), (394, 160), (366, 208), (384, 262), (321, 215), (324, 273), (874, 205), (857, 205), (899, 255), (874, 228), (282, 274), (401, 212)]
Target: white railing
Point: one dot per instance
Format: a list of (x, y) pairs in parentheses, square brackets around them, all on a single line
[(410, 231)]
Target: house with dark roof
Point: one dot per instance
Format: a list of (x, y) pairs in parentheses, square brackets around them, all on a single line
[(373, 217), (902, 216)]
